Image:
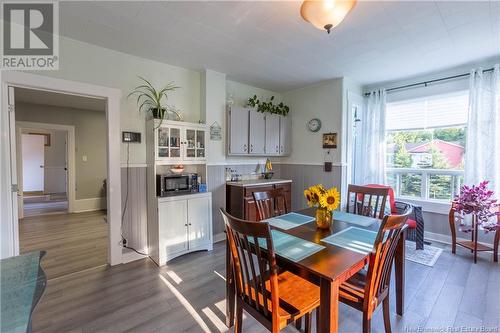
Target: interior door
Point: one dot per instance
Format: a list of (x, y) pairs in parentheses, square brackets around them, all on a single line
[(33, 147), (272, 134), (257, 133), (199, 221)]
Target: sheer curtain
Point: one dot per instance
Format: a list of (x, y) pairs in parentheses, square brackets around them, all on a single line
[(482, 160), (371, 160)]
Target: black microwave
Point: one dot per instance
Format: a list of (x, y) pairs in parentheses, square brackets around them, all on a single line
[(173, 184)]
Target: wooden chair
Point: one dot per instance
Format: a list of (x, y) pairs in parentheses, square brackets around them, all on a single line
[(366, 289), (270, 203), (274, 299), (473, 245), (367, 201)]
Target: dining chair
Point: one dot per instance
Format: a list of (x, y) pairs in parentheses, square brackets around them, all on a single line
[(270, 203), (473, 245), (367, 201), (366, 289), (274, 299)]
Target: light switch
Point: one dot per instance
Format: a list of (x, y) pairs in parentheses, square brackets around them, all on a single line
[(84, 158)]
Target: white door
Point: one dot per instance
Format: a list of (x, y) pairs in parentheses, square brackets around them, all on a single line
[(285, 135), (32, 147), (238, 137), (257, 133), (172, 217), (199, 221), (272, 134)]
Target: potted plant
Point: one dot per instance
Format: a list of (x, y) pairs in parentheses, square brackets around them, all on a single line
[(477, 201), (152, 100), (268, 106), (327, 200)]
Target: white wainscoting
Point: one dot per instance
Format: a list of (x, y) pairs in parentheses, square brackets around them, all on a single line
[(88, 205)]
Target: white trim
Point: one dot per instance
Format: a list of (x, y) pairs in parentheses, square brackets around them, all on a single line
[(70, 187), (89, 205), (446, 239), (335, 164), (129, 256), (429, 206), (112, 97), (219, 237), (134, 165)]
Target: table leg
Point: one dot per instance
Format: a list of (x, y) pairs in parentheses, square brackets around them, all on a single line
[(329, 307), (399, 262), (230, 289)]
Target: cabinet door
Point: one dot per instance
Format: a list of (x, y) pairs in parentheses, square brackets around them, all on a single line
[(199, 219), (257, 133), (238, 131), (172, 218), (272, 134), (285, 135)]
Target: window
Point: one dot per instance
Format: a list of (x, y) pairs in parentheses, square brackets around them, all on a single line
[(426, 145)]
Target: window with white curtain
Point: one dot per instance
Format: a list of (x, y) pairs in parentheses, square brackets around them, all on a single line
[(426, 145)]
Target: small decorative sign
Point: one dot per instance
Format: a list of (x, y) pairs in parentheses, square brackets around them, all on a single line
[(215, 132), (329, 140)]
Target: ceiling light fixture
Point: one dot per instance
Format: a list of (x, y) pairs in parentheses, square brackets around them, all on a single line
[(326, 14)]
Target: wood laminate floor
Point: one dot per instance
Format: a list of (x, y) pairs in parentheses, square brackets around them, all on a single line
[(188, 296), (74, 242)]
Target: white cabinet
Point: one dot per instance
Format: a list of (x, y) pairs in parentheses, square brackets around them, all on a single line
[(254, 133), (257, 137), (184, 225), (272, 134), (238, 131), (179, 142)]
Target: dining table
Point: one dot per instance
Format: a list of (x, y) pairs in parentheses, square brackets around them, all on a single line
[(327, 268)]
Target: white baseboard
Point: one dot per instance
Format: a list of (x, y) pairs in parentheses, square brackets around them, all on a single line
[(445, 239), (129, 256), (220, 237), (88, 205)]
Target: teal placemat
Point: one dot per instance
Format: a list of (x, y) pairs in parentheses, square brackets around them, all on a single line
[(361, 220), (291, 247), (353, 238), (17, 287), (289, 221)]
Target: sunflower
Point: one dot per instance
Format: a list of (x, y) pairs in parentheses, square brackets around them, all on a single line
[(309, 197), (331, 199), (316, 193)]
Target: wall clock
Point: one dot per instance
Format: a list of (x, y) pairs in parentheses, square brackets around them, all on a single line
[(314, 125)]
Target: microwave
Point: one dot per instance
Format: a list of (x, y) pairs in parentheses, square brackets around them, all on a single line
[(174, 184)]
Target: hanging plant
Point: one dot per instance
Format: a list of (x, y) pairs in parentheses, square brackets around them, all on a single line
[(151, 100), (268, 107)]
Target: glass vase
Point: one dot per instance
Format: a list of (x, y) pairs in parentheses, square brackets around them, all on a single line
[(323, 218)]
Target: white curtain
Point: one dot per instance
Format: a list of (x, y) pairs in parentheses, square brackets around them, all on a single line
[(482, 161), (371, 160)]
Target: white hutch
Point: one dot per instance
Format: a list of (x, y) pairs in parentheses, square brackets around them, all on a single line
[(177, 224)]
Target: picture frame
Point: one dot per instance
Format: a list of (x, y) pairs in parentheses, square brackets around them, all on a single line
[(329, 140)]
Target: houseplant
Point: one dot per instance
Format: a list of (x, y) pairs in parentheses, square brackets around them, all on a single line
[(152, 100), (268, 106), (327, 200), (477, 201)]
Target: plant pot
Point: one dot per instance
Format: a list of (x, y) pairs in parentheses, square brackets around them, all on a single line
[(158, 114), (323, 218)]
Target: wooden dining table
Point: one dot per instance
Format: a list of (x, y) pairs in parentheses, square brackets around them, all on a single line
[(327, 268)]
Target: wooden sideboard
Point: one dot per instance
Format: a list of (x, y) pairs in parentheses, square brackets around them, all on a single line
[(239, 199)]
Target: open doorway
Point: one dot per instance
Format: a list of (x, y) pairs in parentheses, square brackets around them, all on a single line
[(62, 171)]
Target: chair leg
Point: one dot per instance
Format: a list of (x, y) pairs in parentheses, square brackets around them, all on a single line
[(495, 245), (238, 317), (317, 320), (307, 323), (387, 314), (367, 323), (298, 323)]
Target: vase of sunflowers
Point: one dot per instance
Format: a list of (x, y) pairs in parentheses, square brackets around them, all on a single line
[(327, 200)]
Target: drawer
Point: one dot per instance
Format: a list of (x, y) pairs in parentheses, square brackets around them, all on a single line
[(264, 188)]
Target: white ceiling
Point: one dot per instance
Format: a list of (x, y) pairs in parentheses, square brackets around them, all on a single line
[(57, 99), (266, 43)]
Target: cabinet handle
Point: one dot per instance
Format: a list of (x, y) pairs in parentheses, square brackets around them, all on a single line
[(251, 148), (185, 225), (277, 149), (189, 223), (244, 147)]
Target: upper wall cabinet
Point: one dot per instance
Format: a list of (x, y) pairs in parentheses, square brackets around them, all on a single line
[(179, 142), (260, 134)]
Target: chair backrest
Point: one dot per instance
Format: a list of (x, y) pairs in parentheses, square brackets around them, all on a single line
[(382, 257), (392, 199), (270, 203), (367, 201), (252, 267)]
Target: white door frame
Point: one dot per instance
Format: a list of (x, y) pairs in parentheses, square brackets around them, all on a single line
[(10, 241), (70, 156)]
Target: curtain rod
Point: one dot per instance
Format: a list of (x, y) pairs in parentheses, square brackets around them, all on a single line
[(425, 83)]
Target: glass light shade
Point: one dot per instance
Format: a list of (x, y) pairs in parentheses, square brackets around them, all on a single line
[(326, 14)]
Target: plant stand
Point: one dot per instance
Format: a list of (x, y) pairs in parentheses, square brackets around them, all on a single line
[(473, 244)]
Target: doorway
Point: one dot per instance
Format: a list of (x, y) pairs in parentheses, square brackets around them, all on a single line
[(44, 160)]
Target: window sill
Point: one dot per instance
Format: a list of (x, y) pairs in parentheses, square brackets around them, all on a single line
[(430, 206)]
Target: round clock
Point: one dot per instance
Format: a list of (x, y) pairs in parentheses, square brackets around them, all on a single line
[(314, 125)]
